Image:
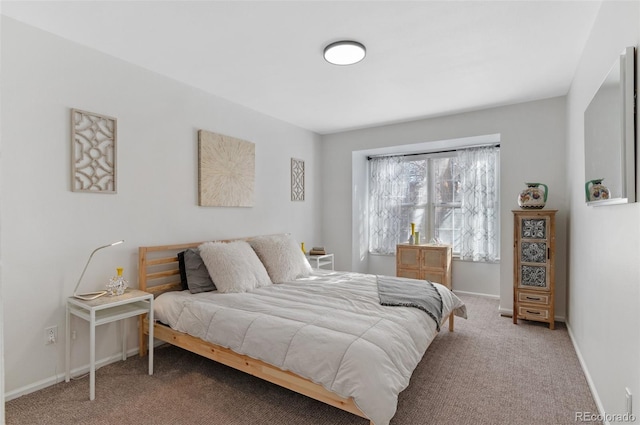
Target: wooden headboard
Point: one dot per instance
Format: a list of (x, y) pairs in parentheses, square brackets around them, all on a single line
[(158, 269)]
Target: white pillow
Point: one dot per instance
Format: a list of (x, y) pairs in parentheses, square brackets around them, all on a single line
[(282, 257), (234, 266)]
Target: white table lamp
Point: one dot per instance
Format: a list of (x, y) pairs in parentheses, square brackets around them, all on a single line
[(91, 295)]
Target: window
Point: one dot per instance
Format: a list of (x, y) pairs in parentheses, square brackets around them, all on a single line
[(451, 197)]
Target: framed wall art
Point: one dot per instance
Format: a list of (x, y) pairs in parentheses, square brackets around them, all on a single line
[(226, 171), (93, 152), (297, 179)]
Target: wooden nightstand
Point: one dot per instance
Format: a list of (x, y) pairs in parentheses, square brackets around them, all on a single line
[(321, 261), (104, 310), (426, 261)]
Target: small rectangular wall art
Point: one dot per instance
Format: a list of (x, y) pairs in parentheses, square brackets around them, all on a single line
[(297, 179), (93, 152)]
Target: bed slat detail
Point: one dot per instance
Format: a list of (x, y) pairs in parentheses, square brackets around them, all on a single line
[(166, 260), (167, 287), (166, 273)]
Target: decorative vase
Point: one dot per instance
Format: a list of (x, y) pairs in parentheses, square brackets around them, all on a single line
[(595, 190), (412, 235), (117, 284), (533, 197)]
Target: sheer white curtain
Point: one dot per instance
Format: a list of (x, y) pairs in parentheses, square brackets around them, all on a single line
[(385, 203), (480, 203)]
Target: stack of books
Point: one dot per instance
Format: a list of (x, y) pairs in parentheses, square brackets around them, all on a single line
[(317, 250)]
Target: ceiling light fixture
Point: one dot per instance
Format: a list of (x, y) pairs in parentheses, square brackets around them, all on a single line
[(344, 52)]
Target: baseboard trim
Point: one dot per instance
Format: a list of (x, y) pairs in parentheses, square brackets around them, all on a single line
[(592, 385), (59, 377), (477, 294)]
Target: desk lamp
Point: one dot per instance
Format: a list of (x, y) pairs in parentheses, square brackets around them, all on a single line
[(91, 295)]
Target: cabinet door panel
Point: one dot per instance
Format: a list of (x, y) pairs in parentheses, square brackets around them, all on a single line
[(534, 228), (534, 277), (433, 258), (533, 252), (409, 258)]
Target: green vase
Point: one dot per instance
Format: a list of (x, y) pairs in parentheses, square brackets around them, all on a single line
[(595, 190)]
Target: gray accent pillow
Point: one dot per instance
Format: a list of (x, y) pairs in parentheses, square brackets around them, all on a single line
[(193, 272), (183, 271)]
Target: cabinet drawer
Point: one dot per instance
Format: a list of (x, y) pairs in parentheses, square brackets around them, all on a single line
[(533, 313), (410, 273), (533, 298)]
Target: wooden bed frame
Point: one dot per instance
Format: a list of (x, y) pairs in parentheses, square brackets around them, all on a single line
[(158, 272)]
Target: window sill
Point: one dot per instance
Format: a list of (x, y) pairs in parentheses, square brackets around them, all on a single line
[(455, 257), (378, 254)]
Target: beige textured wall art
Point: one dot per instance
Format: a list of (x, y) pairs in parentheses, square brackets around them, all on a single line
[(226, 172), (93, 152)]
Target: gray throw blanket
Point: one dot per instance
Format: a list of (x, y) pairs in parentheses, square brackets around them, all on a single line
[(404, 292)]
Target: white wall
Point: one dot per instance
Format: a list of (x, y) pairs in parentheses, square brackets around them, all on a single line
[(1, 280), (604, 266), (49, 231), (532, 138)]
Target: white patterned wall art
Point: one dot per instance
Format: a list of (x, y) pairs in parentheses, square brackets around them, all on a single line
[(93, 152), (226, 171), (297, 179)]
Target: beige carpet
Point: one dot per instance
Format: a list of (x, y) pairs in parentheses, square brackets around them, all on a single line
[(488, 371)]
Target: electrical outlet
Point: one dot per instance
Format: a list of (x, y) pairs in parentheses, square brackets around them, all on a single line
[(50, 335), (629, 401), (73, 335)]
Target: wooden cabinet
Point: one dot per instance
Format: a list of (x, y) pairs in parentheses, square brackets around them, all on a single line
[(534, 247), (428, 262)]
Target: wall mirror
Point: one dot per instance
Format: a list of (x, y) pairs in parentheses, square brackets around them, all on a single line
[(609, 137)]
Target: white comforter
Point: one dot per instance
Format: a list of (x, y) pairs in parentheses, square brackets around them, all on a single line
[(329, 328)]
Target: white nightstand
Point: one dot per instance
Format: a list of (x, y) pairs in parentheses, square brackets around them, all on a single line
[(321, 261), (103, 310)]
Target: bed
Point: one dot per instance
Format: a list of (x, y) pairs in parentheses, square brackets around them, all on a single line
[(324, 335)]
